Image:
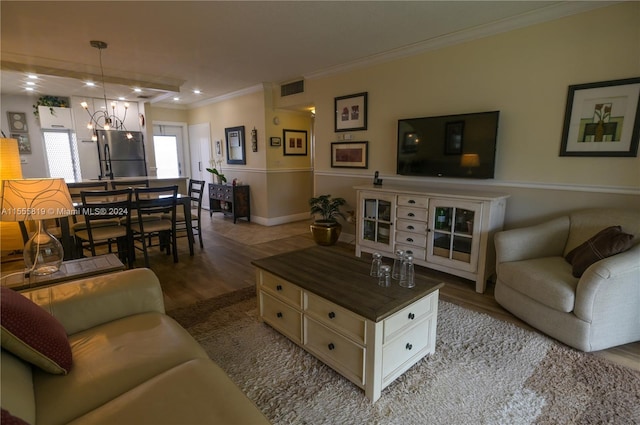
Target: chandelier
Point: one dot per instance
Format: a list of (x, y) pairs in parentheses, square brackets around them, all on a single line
[(102, 119)]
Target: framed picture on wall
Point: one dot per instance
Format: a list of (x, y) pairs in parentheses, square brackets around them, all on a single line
[(294, 142), (24, 144), (235, 145), (17, 122), (602, 119), (350, 154), (351, 112), (276, 141)]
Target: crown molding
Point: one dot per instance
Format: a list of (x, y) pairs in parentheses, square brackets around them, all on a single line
[(550, 13)]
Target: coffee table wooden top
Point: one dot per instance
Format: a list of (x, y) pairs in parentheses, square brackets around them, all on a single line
[(345, 281)]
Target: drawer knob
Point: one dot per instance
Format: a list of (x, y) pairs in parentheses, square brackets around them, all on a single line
[(409, 239), (411, 201), (332, 315), (411, 215), (279, 288), (410, 227), (279, 315), (411, 316), (408, 346), (331, 346)]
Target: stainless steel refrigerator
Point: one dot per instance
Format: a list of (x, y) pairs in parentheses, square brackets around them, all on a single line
[(119, 156)]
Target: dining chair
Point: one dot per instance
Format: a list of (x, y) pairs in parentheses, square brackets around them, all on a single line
[(196, 193), (99, 206), (78, 220), (156, 201)]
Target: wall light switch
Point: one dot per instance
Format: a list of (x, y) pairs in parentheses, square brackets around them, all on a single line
[(23, 161)]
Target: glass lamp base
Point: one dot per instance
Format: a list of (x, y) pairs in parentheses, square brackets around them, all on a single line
[(43, 253)]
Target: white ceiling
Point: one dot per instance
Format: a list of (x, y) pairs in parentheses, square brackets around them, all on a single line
[(170, 48)]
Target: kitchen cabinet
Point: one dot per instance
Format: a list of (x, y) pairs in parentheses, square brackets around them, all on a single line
[(450, 231)]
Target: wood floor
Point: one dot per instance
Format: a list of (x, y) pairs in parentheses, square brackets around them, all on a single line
[(224, 265)]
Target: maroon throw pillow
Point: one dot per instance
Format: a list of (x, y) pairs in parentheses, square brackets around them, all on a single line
[(607, 242), (34, 335), (7, 418)]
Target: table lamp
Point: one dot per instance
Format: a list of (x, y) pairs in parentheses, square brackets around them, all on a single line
[(38, 199), (469, 161), (10, 168)]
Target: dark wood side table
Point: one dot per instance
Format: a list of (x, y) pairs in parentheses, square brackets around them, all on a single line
[(69, 270), (232, 201)]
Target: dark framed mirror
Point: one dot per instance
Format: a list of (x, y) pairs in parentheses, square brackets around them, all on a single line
[(235, 145)]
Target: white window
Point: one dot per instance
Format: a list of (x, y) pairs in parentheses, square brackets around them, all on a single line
[(62, 155)]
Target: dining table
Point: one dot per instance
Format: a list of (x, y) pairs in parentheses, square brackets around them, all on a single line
[(68, 244)]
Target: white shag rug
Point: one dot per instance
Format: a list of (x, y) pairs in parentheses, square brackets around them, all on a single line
[(484, 371)]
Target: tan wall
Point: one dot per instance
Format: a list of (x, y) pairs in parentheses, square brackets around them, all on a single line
[(525, 74)]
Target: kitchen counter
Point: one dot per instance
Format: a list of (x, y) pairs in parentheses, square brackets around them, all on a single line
[(154, 181)]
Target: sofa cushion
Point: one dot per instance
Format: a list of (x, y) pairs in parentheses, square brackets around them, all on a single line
[(547, 280), (605, 243), (111, 359), (195, 392), (16, 387), (33, 334), (6, 418)]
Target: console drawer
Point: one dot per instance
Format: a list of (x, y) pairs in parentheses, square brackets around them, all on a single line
[(412, 213), (399, 351), (340, 353), (414, 239), (280, 288), (411, 226), (413, 201), (418, 253), (335, 317), (282, 317), (410, 315)]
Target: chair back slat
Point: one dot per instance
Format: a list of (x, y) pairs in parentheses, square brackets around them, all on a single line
[(106, 204), (76, 188), (156, 200)]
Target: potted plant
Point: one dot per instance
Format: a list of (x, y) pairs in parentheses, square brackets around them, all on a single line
[(326, 229), (51, 102), (218, 175)]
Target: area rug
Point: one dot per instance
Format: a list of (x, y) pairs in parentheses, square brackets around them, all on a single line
[(484, 371)]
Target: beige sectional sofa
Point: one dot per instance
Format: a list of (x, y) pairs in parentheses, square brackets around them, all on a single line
[(132, 364), (592, 308)]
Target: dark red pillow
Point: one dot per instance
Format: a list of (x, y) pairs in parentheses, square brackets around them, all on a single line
[(7, 418), (605, 243), (34, 335)]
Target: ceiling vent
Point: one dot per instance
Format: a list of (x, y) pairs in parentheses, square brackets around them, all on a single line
[(144, 96), (292, 88)]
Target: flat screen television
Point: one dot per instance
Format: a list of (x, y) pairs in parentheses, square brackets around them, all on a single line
[(448, 146)]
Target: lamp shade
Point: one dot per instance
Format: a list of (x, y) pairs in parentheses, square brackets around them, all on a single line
[(10, 168), (35, 199), (470, 160)]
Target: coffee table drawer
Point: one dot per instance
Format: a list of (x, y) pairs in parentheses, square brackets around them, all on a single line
[(281, 288), (340, 353), (335, 317), (282, 317), (399, 351), (410, 315)]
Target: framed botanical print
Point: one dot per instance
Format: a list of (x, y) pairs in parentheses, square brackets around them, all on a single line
[(351, 112), (602, 119), (294, 142)]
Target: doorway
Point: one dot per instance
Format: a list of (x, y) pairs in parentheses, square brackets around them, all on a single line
[(168, 150)]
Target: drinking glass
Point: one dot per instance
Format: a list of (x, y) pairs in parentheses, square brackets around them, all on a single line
[(397, 264), (407, 279), (376, 262), (385, 276)]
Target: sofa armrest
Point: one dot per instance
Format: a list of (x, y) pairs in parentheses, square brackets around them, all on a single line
[(542, 240), (611, 285), (83, 304)]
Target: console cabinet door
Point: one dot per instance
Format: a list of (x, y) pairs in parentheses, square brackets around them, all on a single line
[(453, 239), (376, 215)]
